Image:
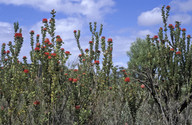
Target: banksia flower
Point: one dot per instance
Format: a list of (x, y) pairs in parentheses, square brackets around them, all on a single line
[(53, 54), (183, 29), (70, 79), (74, 31), (44, 20), (8, 51), (32, 32), (142, 86), (102, 37), (36, 102), (26, 71), (96, 62), (49, 57), (75, 80), (86, 50), (188, 36), (110, 40), (67, 52), (37, 49), (178, 52), (155, 37), (37, 44), (80, 55), (18, 35), (91, 42), (77, 107), (24, 57), (44, 29), (75, 70), (168, 7), (46, 53), (38, 35), (171, 26), (127, 79), (59, 40)]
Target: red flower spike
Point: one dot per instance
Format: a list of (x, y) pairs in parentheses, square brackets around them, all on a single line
[(110, 40), (49, 44), (171, 49), (37, 35), (91, 42), (123, 70), (183, 29), (62, 49), (75, 70), (38, 44), (32, 32), (8, 51), (96, 62), (168, 7), (67, 52), (70, 79), (102, 37), (127, 79), (77, 107), (36, 102), (18, 35), (74, 31), (161, 28), (37, 49), (75, 80), (24, 57), (83, 59), (155, 37), (188, 36), (44, 29), (80, 55), (86, 50), (65, 74), (49, 57), (53, 54), (26, 71), (178, 52), (46, 53), (142, 86), (44, 20)]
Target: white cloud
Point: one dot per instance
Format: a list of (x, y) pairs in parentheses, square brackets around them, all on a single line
[(183, 18), (151, 17), (144, 33), (6, 32), (92, 9), (181, 5)]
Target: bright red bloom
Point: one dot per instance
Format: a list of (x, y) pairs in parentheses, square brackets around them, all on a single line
[(44, 20), (161, 28), (80, 55), (37, 49), (178, 52), (123, 70), (77, 107), (90, 42), (24, 57), (32, 32), (59, 40), (57, 36), (46, 53), (142, 86), (46, 40), (96, 62), (83, 59), (183, 29), (8, 51), (67, 52), (155, 37), (75, 80), (49, 44), (110, 40), (86, 50), (44, 29), (37, 35), (65, 74), (37, 44), (70, 79), (62, 49), (168, 7), (53, 54), (74, 31), (75, 70), (171, 26), (102, 37), (18, 35), (26, 71), (49, 57), (127, 79), (188, 36), (36, 102)]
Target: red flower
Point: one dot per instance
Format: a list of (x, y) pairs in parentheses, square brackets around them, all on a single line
[(90, 42), (5, 60), (57, 36), (171, 26), (86, 50), (75, 70), (67, 52), (32, 32), (188, 36), (26, 71), (168, 7), (84, 73), (4, 52), (53, 54), (65, 74), (123, 70), (183, 29), (96, 62), (62, 49), (110, 40), (142, 86), (37, 44), (49, 44), (37, 35), (155, 37), (44, 29), (46, 40), (127, 79), (36, 102), (46, 53), (18, 35), (59, 40), (77, 107), (70, 79), (80, 55), (74, 31), (8, 51), (24, 57), (161, 28), (102, 37), (178, 52), (49, 57), (83, 59), (44, 20), (75, 80), (37, 49), (171, 49)]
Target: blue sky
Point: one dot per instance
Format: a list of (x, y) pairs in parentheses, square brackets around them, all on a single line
[(123, 21)]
